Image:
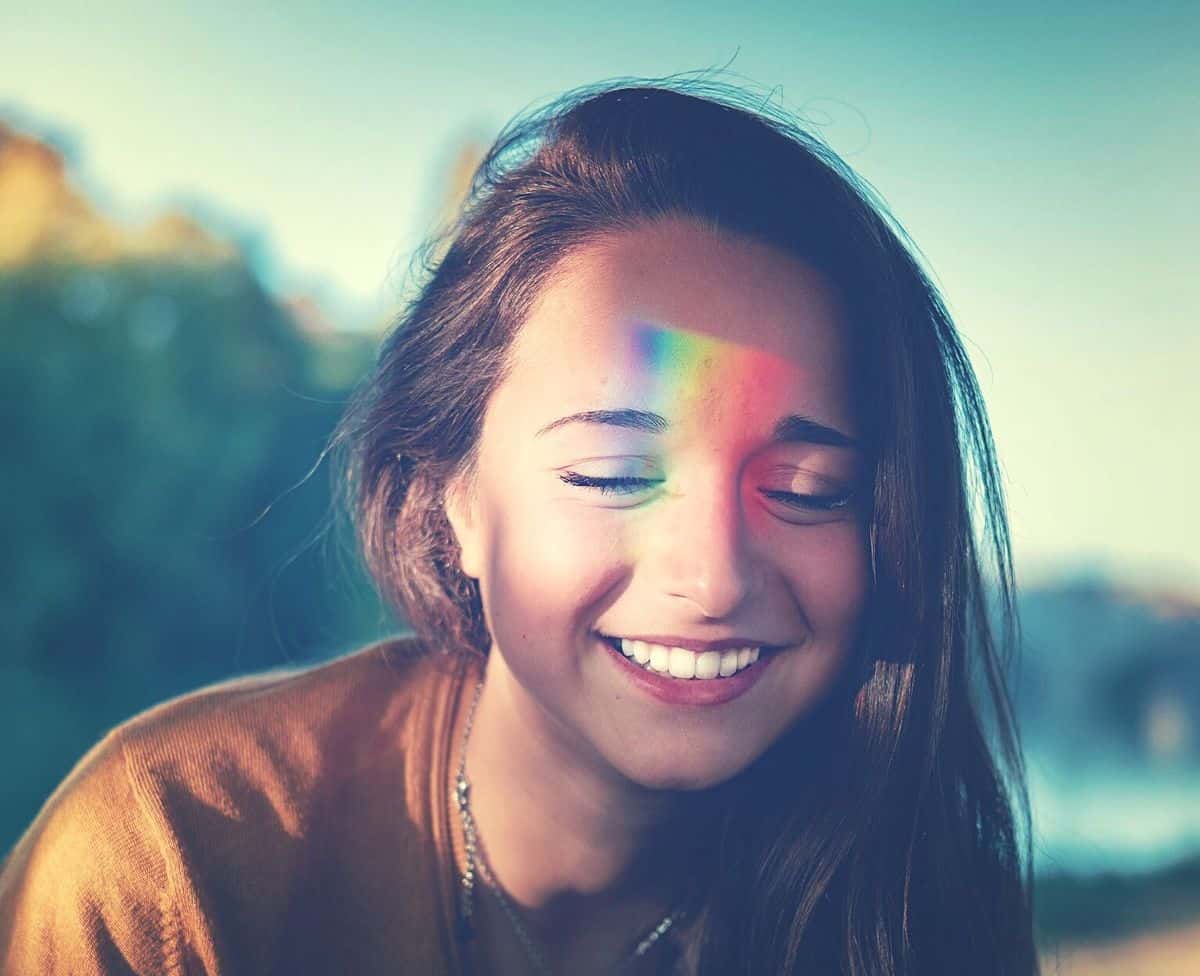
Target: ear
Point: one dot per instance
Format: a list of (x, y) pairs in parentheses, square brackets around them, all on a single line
[(461, 505)]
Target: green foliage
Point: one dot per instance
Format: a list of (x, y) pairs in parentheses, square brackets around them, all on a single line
[(161, 528)]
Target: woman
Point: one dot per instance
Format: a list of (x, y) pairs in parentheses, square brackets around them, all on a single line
[(668, 465)]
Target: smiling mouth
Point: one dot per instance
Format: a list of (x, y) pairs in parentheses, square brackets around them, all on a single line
[(684, 664)]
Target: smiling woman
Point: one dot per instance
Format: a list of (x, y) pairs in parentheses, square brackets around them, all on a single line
[(694, 530), (669, 466)]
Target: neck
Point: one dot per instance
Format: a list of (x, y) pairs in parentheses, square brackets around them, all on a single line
[(565, 835)]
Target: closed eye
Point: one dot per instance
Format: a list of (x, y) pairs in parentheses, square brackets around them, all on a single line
[(608, 486), (629, 485), (822, 503)]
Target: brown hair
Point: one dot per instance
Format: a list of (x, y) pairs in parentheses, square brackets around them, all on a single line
[(883, 835)]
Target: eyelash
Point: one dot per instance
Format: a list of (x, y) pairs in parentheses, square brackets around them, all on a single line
[(624, 486)]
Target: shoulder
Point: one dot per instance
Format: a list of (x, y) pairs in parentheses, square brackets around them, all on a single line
[(278, 729), (205, 805), (266, 751), (67, 885)]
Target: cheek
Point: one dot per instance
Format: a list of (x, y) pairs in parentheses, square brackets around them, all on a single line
[(550, 564), (829, 574)]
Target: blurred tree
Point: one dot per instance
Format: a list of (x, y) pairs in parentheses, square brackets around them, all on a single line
[(161, 421)]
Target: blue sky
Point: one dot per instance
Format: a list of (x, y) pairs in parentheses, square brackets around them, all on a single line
[(1044, 160)]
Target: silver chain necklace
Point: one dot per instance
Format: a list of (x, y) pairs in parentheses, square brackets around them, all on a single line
[(478, 865)]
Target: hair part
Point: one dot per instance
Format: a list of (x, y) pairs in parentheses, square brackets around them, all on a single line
[(894, 848)]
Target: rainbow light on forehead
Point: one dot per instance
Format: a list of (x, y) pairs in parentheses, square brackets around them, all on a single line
[(664, 370), (677, 373), (669, 361)]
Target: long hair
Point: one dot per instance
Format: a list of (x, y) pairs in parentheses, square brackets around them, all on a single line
[(878, 836)]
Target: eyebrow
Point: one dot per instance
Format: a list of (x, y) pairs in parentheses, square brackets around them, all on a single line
[(792, 429)]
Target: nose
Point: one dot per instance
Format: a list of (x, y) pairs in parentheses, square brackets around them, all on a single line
[(703, 550)]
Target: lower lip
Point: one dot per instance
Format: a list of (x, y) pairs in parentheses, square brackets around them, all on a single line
[(690, 691)]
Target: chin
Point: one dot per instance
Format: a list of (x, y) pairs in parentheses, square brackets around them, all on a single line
[(683, 773)]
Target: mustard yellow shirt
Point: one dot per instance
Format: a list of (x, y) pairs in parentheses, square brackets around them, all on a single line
[(290, 822)]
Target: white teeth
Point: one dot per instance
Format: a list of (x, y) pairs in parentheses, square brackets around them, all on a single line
[(681, 663), (708, 664)]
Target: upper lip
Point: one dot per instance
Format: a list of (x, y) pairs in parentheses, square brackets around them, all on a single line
[(692, 644)]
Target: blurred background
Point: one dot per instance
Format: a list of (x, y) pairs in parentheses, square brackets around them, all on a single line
[(206, 222)]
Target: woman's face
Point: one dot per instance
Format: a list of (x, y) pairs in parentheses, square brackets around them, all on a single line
[(701, 494)]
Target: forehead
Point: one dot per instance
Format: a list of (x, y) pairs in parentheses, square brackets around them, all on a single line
[(687, 321)]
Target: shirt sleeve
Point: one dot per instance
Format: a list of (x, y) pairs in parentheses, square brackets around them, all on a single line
[(85, 890)]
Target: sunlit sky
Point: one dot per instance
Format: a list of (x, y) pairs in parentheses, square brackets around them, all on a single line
[(1045, 161)]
